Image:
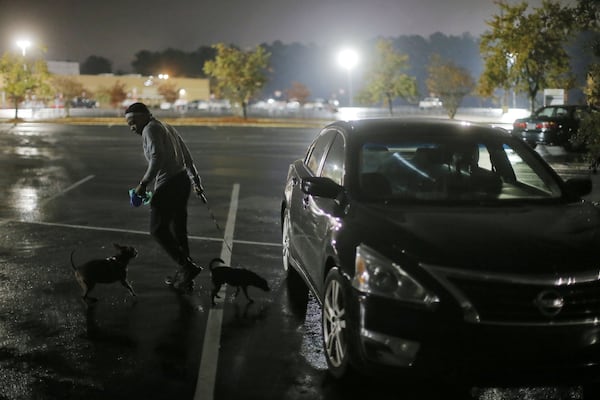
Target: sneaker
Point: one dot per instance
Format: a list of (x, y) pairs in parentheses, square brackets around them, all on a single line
[(170, 279)]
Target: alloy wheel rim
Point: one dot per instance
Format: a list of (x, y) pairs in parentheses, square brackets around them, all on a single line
[(334, 323), (286, 242)]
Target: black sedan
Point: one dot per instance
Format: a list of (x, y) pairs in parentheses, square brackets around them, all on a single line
[(444, 248), (551, 125)]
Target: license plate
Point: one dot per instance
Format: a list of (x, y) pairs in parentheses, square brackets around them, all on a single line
[(530, 125)]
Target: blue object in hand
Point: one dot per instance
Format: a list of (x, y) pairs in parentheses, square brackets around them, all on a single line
[(137, 201)]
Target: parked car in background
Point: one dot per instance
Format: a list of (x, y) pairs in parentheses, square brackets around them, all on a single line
[(83, 102), (430, 103), (195, 104), (551, 125), (439, 248)]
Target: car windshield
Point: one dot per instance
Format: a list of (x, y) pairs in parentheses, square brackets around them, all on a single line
[(451, 168)]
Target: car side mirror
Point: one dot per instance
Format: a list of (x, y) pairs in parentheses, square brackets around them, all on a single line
[(579, 186), (321, 187)]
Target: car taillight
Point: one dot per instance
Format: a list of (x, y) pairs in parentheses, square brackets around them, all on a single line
[(520, 125), (545, 125)]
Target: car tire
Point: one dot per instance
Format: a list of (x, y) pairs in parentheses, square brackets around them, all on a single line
[(334, 325), (297, 289), (591, 391), (285, 240)]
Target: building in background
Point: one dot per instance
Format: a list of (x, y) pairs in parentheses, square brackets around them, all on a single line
[(138, 87), (63, 67)]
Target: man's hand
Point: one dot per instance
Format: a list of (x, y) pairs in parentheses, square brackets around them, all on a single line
[(140, 190)]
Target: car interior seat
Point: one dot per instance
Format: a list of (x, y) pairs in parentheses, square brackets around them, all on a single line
[(375, 184)]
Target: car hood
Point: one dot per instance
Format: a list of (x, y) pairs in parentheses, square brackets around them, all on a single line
[(534, 239)]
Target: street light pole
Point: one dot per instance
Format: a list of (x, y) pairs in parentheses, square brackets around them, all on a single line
[(350, 96), (23, 44), (348, 59)]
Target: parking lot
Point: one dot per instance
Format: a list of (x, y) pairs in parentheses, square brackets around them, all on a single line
[(65, 189)]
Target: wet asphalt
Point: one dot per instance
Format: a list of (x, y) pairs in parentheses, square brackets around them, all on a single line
[(65, 189)]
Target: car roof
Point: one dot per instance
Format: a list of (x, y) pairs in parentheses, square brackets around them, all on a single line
[(569, 106), (358, 130)]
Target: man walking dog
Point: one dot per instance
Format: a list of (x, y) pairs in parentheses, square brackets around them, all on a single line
[(171, 167)]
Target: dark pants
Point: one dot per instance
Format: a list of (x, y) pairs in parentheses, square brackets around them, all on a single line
[(168, 217)]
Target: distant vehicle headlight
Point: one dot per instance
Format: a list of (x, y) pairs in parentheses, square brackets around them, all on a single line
[(376, 274)]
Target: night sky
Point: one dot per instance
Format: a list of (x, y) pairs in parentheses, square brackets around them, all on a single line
[(73, 30)]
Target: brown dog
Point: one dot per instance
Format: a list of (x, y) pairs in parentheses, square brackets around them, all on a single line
[(109, 270), (237, 277)]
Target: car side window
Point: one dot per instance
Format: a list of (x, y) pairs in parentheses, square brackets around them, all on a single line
[(546, 112), (313, 161), (561, 112), (333, 167)]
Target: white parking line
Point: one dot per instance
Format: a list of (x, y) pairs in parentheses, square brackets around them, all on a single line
[(62, 192), (134, 232), (206, 379), (205, 385)]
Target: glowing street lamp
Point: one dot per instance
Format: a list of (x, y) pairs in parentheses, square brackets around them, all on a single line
[(23, 44), (348, 59)]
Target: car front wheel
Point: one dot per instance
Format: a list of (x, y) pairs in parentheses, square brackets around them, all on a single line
[(285, 240), (334, 325)]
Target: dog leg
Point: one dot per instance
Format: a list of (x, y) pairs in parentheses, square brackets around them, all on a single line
[(128, 287), (215, 293), (245, 289), (88, 299), (86, 294)]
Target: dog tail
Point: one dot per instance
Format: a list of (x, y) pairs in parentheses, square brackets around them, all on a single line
[(214, 261), (72, 263)]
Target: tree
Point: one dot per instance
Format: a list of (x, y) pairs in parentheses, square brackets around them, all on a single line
[(23, 77), (588, 134), (386, 77), (68, 88), (168, 91), (299, 92), (525, 51), (114, 95), (450, 82), (94, 65), (587, 13), (238, 75), (173, 62)]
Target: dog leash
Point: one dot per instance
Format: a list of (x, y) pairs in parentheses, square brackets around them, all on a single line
[(202, 196)]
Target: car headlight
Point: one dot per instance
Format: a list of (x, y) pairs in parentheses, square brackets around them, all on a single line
[(376, 274)]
